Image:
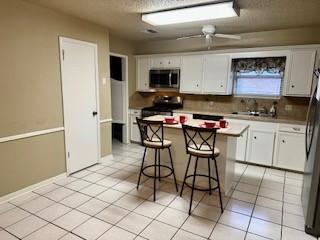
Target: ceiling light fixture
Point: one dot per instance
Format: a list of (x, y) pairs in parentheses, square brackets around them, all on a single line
[(192, 14)]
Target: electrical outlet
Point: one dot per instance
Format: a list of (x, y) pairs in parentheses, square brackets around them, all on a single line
[(288, 108)]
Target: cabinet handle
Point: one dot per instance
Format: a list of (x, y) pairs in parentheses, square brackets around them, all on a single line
[(221, 85), (292, 86), (169, 62), (255, 137), (197, 85), (283, 141), (296, 129)]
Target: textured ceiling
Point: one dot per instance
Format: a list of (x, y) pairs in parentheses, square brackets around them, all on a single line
[(123, 17)]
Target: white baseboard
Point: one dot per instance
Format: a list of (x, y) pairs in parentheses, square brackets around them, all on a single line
[(31, 188), (107, 158)]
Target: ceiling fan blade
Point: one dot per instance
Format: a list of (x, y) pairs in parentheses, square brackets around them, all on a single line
[(188, 37), (228, 36)]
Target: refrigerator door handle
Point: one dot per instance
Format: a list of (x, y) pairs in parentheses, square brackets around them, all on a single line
[(308, 122)]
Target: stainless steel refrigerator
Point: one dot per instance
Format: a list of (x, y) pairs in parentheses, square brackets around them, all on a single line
[(311, 191)]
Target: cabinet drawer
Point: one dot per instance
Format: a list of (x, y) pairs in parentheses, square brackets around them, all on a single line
[(292, 128), (136, 112)]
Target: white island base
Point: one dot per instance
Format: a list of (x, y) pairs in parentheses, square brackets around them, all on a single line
[(225, 141)]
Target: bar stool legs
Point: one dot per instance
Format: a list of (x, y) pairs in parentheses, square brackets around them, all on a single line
[(155, 174), (209, 170), (157, 170), (174, 175), (218, 181), (141, 169), (194, 180), (193, 187), (185, 176)]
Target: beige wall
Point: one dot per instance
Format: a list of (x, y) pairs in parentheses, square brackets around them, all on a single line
[(30, 90), (124, 47), (256, 39)]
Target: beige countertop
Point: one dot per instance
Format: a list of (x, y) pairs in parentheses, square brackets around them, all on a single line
[(243, 117), (233, 129)]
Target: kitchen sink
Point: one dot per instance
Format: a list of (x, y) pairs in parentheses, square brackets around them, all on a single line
[(249, 113)]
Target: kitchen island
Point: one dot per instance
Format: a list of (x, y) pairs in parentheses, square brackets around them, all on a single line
[(225, 141)]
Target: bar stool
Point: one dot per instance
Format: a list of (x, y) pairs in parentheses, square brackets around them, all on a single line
[(151, 133), (200, 143)]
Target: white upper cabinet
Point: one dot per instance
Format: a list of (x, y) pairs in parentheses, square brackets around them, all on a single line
[(142, 75), (169, 62), (216, 77), (191, 74), (300, 73)]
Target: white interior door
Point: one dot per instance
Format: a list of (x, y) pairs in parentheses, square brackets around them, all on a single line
[(80, 103)]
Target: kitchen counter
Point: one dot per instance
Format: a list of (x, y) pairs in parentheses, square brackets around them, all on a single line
[(233, 129), (243, 117), (226, 141)]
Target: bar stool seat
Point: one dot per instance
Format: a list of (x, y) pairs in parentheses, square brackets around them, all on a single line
[(157, 144), (203, 151)]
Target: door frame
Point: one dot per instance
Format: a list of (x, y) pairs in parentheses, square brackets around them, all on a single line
[(125, 133), (61, 54)]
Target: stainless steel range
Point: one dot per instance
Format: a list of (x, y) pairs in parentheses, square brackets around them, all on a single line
[(163, 105)]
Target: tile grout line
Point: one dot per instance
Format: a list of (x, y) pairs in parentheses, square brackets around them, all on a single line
[(254, 205)]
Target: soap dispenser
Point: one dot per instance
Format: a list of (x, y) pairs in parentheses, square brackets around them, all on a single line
[(273, 110)]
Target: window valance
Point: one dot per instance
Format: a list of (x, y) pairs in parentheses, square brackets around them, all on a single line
[(260, 65)]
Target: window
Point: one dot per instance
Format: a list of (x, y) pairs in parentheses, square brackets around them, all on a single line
[(254, 84), (259, 76)]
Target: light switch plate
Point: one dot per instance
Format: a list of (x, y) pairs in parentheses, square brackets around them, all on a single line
[(288, 108)]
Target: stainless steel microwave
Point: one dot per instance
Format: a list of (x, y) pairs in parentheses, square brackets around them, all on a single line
[(165, 78)]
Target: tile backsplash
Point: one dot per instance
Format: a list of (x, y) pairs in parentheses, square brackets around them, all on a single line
[(287, 107)]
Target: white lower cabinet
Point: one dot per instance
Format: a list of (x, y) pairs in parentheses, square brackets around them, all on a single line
[(261, 145), (242, 146), (134, 130), (290, 153)]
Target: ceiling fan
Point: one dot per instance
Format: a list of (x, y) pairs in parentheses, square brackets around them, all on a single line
[(209, 32)]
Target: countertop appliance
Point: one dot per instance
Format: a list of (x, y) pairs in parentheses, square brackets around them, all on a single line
[(311, 189), (165, 79), (163, 105)]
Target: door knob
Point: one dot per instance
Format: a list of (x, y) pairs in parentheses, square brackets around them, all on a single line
[(94, 113)]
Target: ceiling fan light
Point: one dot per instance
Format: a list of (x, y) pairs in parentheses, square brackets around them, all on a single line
[(192, 14)]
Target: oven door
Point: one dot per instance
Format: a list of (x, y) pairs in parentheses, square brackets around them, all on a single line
[(164, 78)]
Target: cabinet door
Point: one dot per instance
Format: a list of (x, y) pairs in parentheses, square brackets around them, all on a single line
[(134, 130), (216, 74), (291, 153), (157, 62), (172, 62), (242, 146), (301, 72), (261, 147), (191, 74), (143, 67)]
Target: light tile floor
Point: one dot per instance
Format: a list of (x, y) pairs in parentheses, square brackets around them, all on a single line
[(102, 203)]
